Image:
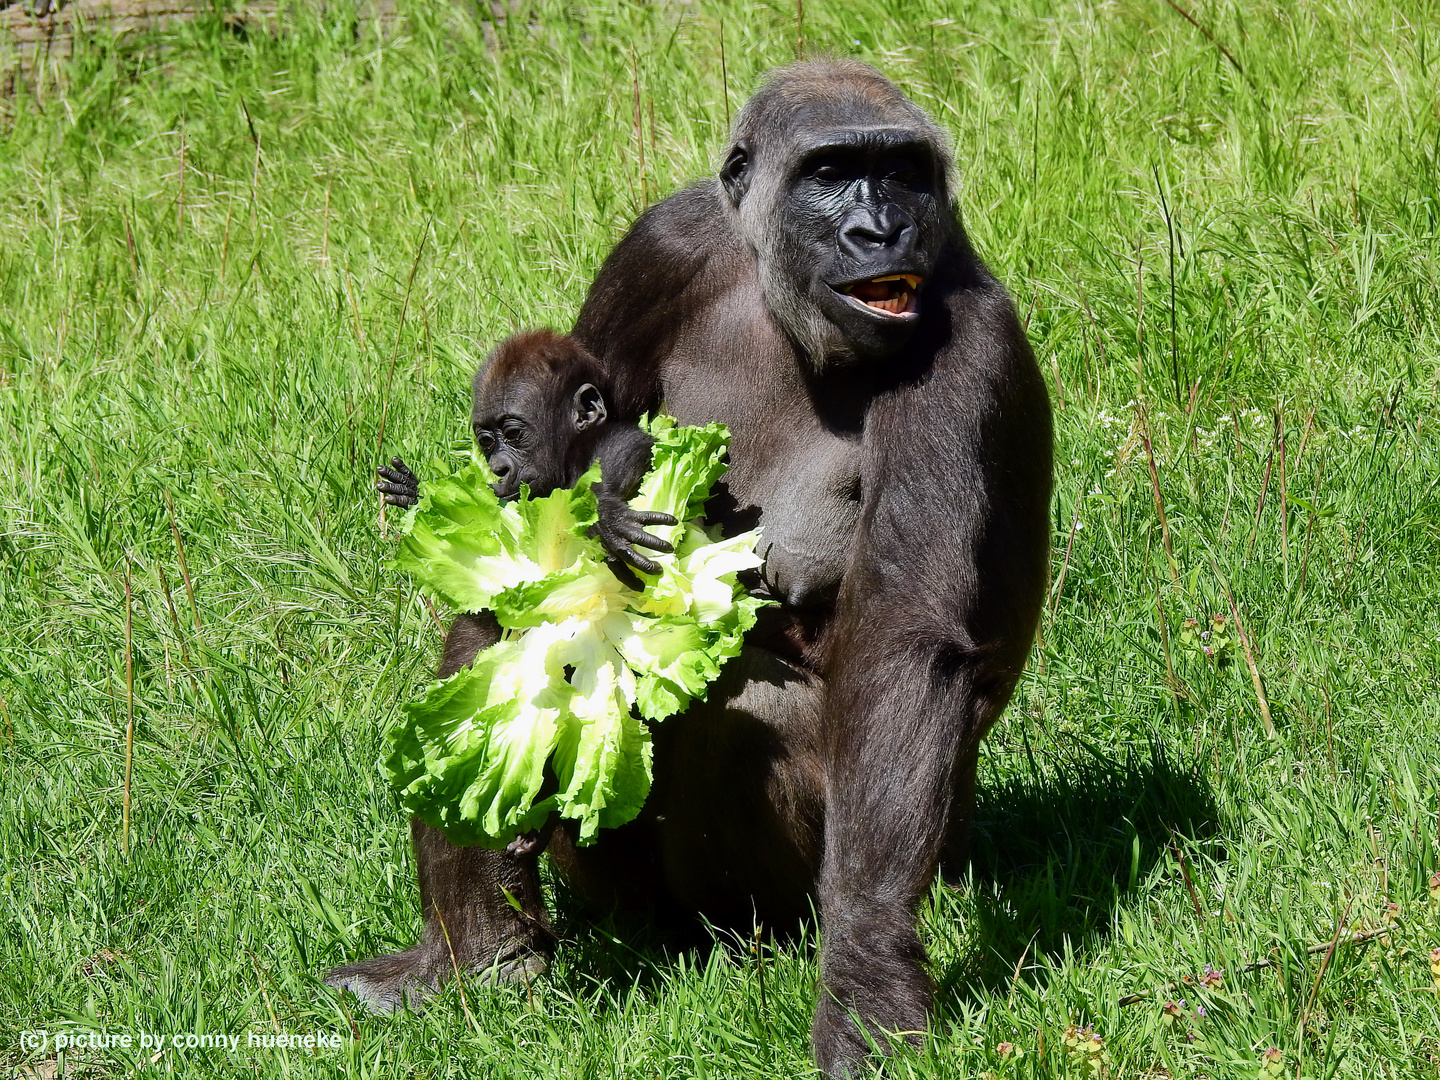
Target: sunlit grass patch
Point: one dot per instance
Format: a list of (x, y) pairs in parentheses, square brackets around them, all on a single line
[(1229, 272)]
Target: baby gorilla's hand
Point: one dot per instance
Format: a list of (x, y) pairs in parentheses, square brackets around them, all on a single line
[(532, 843), (619, 528), (398, 484)]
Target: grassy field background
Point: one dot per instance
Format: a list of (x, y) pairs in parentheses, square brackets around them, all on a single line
[(237, 270)]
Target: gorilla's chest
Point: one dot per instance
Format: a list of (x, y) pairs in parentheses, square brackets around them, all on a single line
[(789, 472)]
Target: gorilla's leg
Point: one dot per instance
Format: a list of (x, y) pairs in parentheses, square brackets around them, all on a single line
[(956, 856), (470, 923), (732, 825), (886, 824)]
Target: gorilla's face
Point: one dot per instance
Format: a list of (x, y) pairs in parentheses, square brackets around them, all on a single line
[(534, 433), (862, 216), (845, 231)]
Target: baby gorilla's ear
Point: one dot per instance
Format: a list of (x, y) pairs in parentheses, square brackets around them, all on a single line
[(588, 407)]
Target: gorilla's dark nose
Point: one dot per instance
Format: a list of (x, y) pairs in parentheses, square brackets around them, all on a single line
[(885, 230), (504, 470)]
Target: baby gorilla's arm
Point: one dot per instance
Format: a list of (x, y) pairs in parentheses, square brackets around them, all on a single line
[(624, 454)]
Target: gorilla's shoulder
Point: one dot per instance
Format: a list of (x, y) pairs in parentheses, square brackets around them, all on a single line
[(688, 225), (695, 205), (975, 296), (683, 243)]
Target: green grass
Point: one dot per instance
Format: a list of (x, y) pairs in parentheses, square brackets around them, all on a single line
[(239, 354)]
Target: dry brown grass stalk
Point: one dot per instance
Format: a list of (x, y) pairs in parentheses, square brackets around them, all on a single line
[(1250, 663), (129, 716)]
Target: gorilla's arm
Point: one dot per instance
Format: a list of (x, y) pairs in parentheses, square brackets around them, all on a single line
[(933, 623), (628, 322), (623, 451)]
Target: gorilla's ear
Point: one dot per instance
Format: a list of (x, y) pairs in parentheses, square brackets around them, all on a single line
[(589, 407), (735, 173)]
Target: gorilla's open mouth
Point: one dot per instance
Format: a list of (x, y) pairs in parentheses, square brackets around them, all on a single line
[(895, 295)]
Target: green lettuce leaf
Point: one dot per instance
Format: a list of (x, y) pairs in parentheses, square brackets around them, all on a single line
[(465, 546), (561, 703), (684, 465)]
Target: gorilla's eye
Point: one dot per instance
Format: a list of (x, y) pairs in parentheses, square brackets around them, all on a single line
[(831, 168), (486, 441), (513, 431)]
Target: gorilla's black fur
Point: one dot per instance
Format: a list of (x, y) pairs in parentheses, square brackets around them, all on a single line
[(891, 434)]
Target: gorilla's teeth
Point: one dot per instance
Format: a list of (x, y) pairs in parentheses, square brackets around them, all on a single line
[(894, 294), (912, 280)]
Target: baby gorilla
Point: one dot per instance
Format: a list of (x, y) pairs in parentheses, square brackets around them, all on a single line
[(540, 418)]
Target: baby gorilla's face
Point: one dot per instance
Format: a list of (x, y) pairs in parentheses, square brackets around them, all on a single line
[(535, 433)]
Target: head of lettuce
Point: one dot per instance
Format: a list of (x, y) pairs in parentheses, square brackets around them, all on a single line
[(580, 654)]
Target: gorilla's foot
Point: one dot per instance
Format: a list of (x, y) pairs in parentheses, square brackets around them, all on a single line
[(405, 979), (386, 983), (870, 1005), (841, 1048)]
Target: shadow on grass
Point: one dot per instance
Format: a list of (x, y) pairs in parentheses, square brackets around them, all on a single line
[(1055, 850)]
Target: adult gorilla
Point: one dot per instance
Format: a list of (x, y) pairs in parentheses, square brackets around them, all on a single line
[(891, 432)]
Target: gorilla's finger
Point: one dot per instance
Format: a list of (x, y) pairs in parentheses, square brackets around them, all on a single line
[(637, 535), (387, 487), (652, 517), (640, 562), (624, 574)]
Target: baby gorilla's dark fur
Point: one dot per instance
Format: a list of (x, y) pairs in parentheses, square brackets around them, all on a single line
[(541, 418)]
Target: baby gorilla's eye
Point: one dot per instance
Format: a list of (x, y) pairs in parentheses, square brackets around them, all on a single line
[(514, 432), (486, 441)]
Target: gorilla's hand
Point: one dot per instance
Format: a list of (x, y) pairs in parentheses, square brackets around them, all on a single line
[(398, 484), (533, 842), (620, 527)]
